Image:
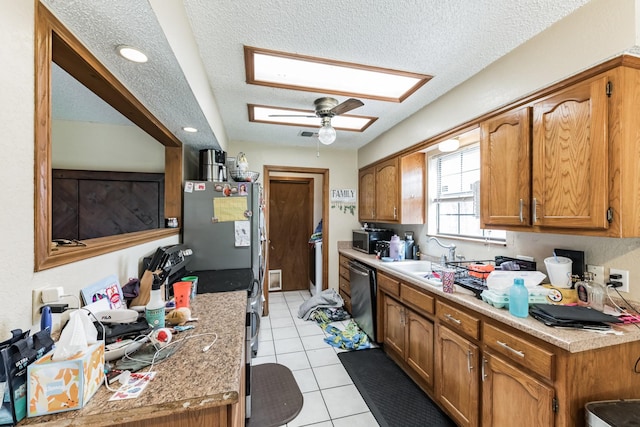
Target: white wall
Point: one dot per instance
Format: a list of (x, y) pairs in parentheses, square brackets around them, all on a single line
[(600, 30), (17, 190), (343, 173), (98, 146)]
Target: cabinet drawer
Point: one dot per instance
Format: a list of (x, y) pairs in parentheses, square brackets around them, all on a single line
[(344, 272), (345, 286), (389, 285), (458, 320), (344, 261), (419, 300), (520, 351)]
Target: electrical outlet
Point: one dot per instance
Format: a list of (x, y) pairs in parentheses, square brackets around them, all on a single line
[(598, 273), (36, 303), (624, 278)]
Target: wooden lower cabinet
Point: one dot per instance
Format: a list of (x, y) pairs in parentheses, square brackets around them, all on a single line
[(511, 397), (409, 337), (458, 377), (344, 282)]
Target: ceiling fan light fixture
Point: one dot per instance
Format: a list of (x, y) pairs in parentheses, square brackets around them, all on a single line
[(131, 53), (449, 145), (326, 134)]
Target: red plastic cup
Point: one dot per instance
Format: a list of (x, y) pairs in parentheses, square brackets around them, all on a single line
[(182, 293)]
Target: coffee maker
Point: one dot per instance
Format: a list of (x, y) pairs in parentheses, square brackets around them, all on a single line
[(212, 165)]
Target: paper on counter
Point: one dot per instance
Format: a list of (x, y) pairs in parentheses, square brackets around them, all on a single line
[(134, 385)]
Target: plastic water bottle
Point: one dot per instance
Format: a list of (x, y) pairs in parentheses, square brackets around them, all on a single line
[(518, 298)]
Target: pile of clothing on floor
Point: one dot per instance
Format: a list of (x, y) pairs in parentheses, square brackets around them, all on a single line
[(326, 307)]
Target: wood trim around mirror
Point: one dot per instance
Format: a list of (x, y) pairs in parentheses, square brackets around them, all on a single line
[(81, 64)]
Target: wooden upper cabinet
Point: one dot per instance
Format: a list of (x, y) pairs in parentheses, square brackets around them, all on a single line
[(570, 157), (386, 189), (367, 194), (412, 182), (392, 191), (505, 181)]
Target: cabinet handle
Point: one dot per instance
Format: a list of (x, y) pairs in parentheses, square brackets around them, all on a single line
[(469, 364), (484, 369), (513, 350), (395, 212), (453, 319), (535, 210), (521, 208)]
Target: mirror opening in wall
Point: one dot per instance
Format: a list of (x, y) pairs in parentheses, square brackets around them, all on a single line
[(88, 201)]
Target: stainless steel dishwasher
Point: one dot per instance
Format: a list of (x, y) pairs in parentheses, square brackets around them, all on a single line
[(362, 280)]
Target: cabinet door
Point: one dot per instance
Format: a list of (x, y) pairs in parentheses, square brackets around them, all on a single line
[(386, 190), (511, 397), (570, 158), (458, 387), (505, 182), (419, 349), (412, 181), (367, 194), (394, 326)]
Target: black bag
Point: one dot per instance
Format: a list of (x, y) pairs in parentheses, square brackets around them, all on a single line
[(20, 352)]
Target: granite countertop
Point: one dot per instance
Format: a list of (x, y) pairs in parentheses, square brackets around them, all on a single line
[(190, 378), (572, 340)]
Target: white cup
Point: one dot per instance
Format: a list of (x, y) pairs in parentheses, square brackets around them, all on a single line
[(559, 271)]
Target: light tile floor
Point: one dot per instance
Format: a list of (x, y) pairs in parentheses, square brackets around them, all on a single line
[(330, 398)]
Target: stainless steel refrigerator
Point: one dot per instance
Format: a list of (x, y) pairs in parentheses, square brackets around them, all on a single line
[(223, 224)]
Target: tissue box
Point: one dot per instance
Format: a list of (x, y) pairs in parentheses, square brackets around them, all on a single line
[(64, 385)]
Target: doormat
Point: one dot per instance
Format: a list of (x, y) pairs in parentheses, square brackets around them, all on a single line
[(393, 398), (275, 396)]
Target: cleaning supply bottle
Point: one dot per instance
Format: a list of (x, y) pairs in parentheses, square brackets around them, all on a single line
[(154, 310), (518, 298), (394, 247)]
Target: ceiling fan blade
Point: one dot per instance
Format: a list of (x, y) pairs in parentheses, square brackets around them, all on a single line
[(291, 115), (347, 105)]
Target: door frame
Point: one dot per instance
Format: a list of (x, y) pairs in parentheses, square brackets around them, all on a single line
[(267, 169)]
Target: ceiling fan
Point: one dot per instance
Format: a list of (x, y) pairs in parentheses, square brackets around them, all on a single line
[(326, 108)]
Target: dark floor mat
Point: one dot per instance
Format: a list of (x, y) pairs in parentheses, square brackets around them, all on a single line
[(393, 398), (275, 396)]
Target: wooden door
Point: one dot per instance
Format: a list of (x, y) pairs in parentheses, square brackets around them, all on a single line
[(570, 157), (366, 195), (529, 400), (387, 190), (394, 334), (420, 345), (458, 378), (505, 183), (290, 226)]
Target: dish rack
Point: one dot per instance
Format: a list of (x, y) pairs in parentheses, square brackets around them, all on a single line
[(472, 275)]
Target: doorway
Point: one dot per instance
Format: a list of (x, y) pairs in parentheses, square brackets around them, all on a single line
[(320, 196), (290, 226)]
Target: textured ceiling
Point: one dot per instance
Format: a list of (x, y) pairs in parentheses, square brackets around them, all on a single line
[(451, 40)]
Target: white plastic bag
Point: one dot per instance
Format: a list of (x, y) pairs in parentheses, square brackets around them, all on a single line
[(77, 335)]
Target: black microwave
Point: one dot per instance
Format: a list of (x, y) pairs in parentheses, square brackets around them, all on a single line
[(364, 240)]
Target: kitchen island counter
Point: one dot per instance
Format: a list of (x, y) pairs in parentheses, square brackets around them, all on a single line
[(192, 387), (571, 340)]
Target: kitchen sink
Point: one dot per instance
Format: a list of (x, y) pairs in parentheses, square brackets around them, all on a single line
[(418, 269)]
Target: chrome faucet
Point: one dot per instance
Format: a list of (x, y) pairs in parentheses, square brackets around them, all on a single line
[(451, 247)]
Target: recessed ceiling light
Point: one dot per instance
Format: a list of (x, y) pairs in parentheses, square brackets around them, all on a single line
[(131, 53), (189, 129)]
